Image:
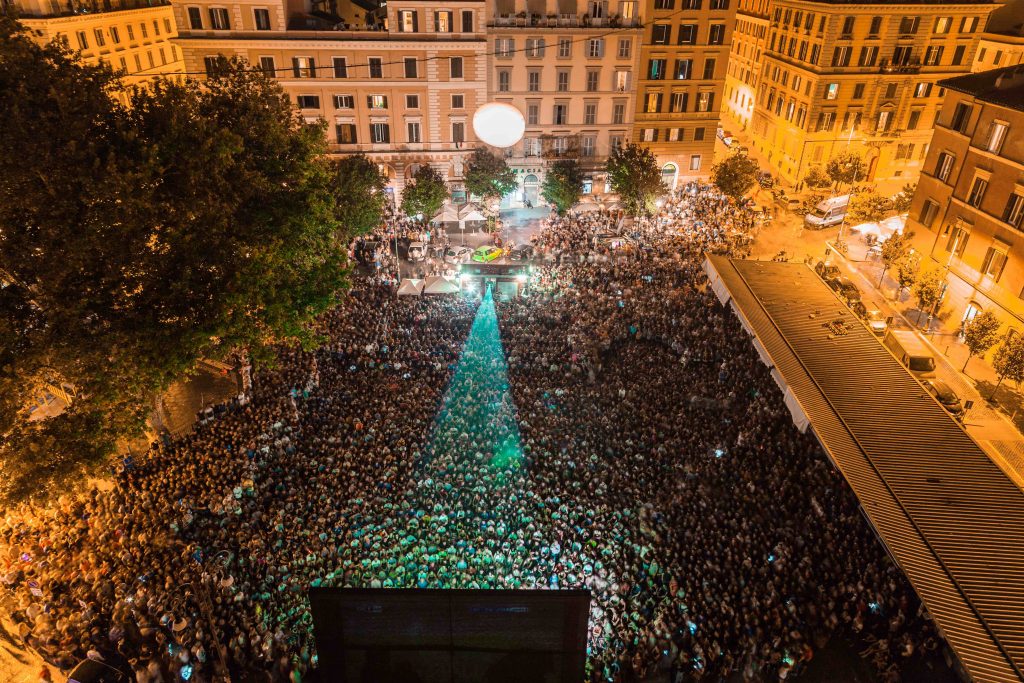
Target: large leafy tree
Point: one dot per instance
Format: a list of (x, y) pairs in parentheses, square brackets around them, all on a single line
[(845, 169), (635, 176), (563, 184), (980, 334), (817, 178), (425, 194), (734, 175), (894, 250), (868, 207), (488, 176), (1009, 361), (360, 192), (136, 240)]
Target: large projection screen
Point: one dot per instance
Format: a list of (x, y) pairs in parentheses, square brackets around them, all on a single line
[(450, 636)]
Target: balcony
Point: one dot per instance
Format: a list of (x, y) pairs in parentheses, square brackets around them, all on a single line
[(561, 21), (886, 67), (69, 8)]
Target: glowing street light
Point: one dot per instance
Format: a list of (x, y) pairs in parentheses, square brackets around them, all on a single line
[(499, 124)]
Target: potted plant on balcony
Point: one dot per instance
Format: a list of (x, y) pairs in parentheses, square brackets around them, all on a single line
[(616, 21)]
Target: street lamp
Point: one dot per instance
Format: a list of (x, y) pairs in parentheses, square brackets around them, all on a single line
[(839, 237)]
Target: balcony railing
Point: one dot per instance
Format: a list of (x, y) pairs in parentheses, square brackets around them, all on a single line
[(886, 67), (562, 21)]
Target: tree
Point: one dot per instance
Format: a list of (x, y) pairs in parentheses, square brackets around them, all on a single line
[(901, 200), (928, 289), (1009, 361), (845, 169), (136, 240), (980, 335), (360, 193), (868, 207), (563, 184), (734, 175), (425, 194), (907, 270), (894, 250), (489, 176), (817, 178), (634, 174)]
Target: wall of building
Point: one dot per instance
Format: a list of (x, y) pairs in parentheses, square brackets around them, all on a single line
[(744, 70)]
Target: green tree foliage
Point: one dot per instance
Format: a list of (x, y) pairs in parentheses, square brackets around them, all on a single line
[(817, 178), (489, 176), (360, 191), (980, 334), (1009, 360), (845, 169), (635, 176), (901, 200), (908, 269), (868, 207), (734, 175), (425, 194), (136, 240), (894, 250), (563, 184), (928, 289)]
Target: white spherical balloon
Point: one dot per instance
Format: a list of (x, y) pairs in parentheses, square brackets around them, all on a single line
[(499, 124)]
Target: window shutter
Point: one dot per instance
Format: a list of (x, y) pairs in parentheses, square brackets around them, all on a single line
[(415, 22), (296, 68)]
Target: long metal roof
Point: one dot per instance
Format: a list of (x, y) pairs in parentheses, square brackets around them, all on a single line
[(950, 518)]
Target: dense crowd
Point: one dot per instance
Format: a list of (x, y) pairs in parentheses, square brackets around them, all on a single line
[(613, 430)]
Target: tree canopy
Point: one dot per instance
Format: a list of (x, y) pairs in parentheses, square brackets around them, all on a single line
[(980, 334), (734, 175), (563, 184), (845, 169), (635, 176), (424, 195), (868, 207), (361, 197), (817, 178), (489, 176), (135, 240)]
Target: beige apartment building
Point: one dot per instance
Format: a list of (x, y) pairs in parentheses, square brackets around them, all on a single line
[(401, 85), (744, 70), (1002, 43), (130, 35), (859, 77), (681, 81), (568, 66), (968, 211)]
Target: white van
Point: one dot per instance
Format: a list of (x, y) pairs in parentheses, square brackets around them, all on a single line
[(911, 351), (828, 212)]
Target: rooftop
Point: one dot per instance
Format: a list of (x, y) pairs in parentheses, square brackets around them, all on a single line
[(1003, 87)]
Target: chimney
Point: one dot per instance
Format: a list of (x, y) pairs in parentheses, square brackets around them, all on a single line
[(1011, 78)]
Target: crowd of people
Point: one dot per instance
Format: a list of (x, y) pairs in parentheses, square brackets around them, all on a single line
[(613, 430)]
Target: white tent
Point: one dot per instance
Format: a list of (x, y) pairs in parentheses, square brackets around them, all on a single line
[(449, 214), (438, 284), (472, 215), (410, 287)]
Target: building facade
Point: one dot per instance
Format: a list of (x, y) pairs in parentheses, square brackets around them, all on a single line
[(400, 86), (680, 83), (568, 66), (130, 35), (1002, 43), (860, 78), (744, 69), (968, 211)]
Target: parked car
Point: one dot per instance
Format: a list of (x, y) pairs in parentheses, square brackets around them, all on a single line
[(488, 253), (827, 213), (911, 352), (826, 270), (417, 251), (521, 252), (875, 320), (456, 255), (740, 149), (844, 287), (946, 397)]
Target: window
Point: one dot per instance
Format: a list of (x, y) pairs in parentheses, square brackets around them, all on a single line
[(212, 63), (532, 114), (504, 79), (905, 150), (652, 102), (719, 4), (376, 65), (884, 122), (1014, 211), (593, 79), (218, 20), (625, 48), (618, 113), (922, 90), (346, 133), (929, 211), (262, 17), (649, 135), (996, 135), (709, 69), (407, 21), (533, 81), (412, 131), (851, 120), (957, 242), (380, 133), (698, 135), (376, 101), (958, 55), (848, 23), (124, 64), (901, 55), (995, 261), (664, 4), (933, 55), (560, 115), (458, 101), (943, 165), (455, 67), (825, 121), (340, 67), (410, 67), (716, 34), (267, 66), (961, 117), (908, 25), (831, 91), (467, 23), (303, 67), (588, 145), (695, 162), (914, 120), (684, 67), (858, 91), (815, 53), (589, 114), (98, 33), (412, 101), (562, 80), (443, 22), (534, 47), (156, 27), (344, 102), (595, 47), (504, 47), (978, 190), (868, 55), (841, 56), (661, 34), (968, 24), (564, 47), (167, 25), (890, 90), (876, 26), (687, 34), (614, 142), (942, 24), (195, 21), (678, 102), (705, 101), (308, 101), (622, 81), (656, 69), (145, 33)]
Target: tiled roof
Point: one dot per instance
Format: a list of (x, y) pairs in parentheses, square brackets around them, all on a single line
[(1004, 87)]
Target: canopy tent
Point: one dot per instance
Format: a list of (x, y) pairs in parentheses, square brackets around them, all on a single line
[(438, 284), (883, 229), (472, 215), (586, 207), (410, 287), (449, 214)]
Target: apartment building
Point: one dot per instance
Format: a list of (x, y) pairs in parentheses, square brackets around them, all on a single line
[(399, 83), (968, 211), (133, 36), (569, 66), (744, 69), (1002, 43), (859, 77), (681, 80)]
